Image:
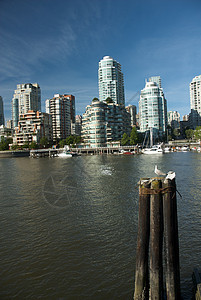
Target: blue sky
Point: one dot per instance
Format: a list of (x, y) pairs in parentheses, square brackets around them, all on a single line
[(58, 44)]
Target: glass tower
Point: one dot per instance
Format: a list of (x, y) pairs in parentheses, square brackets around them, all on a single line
[(111, 83), (153, 109)]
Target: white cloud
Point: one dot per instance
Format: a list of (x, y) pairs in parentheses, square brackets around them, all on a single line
[(19, 55)]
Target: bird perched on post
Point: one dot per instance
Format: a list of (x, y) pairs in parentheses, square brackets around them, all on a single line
[(170, 175), (158, 172)]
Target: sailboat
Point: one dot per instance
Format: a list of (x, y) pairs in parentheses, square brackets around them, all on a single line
[(153, 149)]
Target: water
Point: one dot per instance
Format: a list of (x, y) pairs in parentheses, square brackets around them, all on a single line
[(69, 226)]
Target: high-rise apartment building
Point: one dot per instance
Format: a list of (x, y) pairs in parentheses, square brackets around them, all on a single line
[(195, 99), (173, 119), (59, 108), (26, 97), (153, 109), (2, 120), (103, 123), (111, 82), (78, 125), (156, 79), (71, 98), (132, 111)]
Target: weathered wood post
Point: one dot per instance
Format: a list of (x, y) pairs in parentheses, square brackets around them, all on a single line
[(171, 240), (156, 241), (142, 273), (157, 220)]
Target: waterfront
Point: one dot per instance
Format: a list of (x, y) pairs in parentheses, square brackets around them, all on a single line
[(69, 226)]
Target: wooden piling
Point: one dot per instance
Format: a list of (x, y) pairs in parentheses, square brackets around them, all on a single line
[(141, 274), (171, 240), (156, 241)]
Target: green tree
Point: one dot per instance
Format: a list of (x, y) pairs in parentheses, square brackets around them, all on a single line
[(77, 139), (125, 139), (44, 142), (26, 145), (134, 136), (14, 147), (70, 140), (4, 145), (189, 133), (62, 143), (34, 145), (176, 133), (197, 133)]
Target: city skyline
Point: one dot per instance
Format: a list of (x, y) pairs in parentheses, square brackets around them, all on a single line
[(59, 47)]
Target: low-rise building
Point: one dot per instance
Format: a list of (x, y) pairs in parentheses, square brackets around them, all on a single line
[(103, 123), (5, 131), (33, 126)]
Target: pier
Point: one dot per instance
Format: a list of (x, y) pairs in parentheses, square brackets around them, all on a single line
[(85, 151)]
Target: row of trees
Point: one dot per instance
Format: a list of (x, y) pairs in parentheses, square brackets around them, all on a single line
[(72, 140), (193, 134), (133, 139), (4, 143)]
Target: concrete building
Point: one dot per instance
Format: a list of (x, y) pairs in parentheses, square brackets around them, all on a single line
[(173, 119), (59, 108), (71, 99), (185, 118), (2, 120), (5, 132), (104, 123), (111, 82), (195, 100), (78, 125), (153, 110), (26, 97), (132, 110), (9, 124), (32, 126)]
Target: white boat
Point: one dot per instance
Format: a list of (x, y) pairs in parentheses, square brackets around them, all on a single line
[(167, 149), (184, 149), (156, 149), (65, 154)]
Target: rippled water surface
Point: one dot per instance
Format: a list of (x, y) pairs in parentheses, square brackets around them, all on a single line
[(69, 226)]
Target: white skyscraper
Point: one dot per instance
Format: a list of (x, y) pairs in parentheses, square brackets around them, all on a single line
[(156, 79), (26, 97), (111, 83), (195, 98), (153, 109)]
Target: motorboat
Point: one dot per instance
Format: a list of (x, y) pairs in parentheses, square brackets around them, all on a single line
[(184, 149), (167, 149), (65, 154), (156, 149)]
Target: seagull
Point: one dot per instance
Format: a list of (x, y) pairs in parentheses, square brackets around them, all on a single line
[(158, 172), (170, 175)]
